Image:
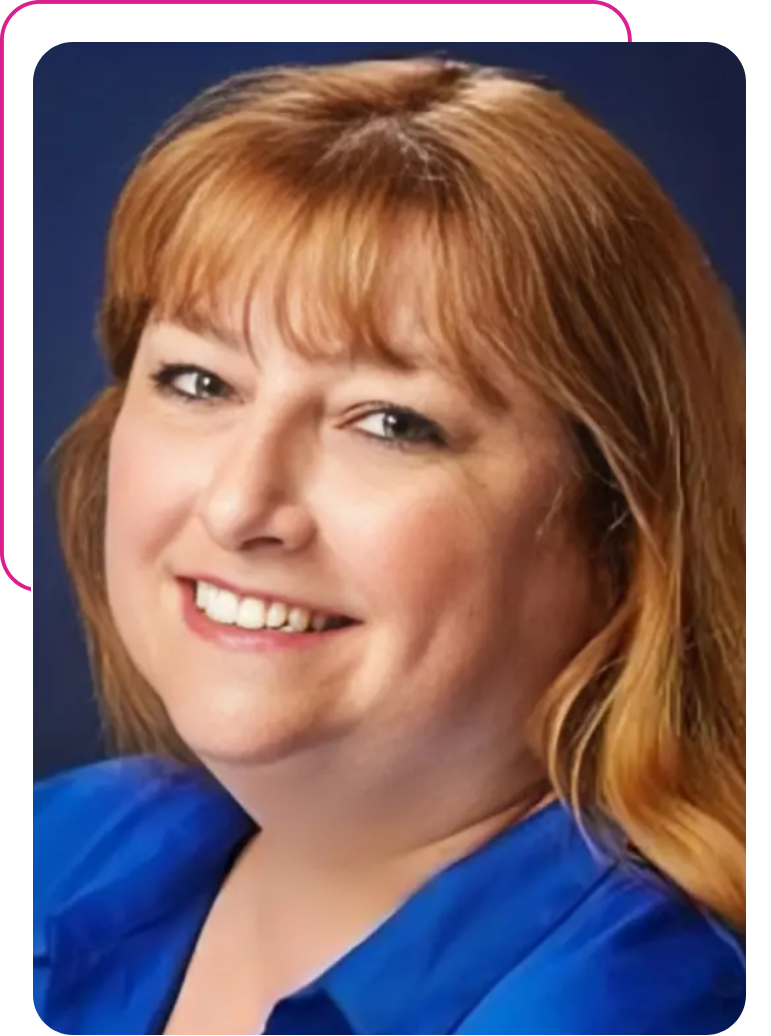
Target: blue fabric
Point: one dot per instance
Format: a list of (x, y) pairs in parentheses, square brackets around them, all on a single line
[(533, 933)]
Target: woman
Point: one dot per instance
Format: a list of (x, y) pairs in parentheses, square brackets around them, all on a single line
[(409, 543)]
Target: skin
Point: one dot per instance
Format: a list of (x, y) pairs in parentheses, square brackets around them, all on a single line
[(400, 746)]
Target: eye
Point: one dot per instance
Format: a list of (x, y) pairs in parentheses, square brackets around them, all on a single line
[(190, 383), (400, 427)]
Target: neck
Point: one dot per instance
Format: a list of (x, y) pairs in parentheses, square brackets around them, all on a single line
[(318, 817), (334, 859)]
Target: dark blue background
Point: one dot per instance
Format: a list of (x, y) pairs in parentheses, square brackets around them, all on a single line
[(681, 107)]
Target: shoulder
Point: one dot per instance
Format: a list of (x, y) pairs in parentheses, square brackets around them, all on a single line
[(635, 957), (125, 779), (119, 847), (97, 826), (73, 809), (76, 809)]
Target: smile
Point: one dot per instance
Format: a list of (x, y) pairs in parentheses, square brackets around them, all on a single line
[(222, 619), (256, 613)]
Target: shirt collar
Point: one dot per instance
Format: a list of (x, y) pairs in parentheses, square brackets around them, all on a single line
[(437, 956), (433, 959)]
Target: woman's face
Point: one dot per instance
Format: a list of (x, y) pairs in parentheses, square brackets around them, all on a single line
[(388, 497)]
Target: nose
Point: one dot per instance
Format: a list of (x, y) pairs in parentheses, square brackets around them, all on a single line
[(255, 492)]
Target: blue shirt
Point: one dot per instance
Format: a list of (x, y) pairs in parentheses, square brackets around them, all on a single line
[(533, 933)]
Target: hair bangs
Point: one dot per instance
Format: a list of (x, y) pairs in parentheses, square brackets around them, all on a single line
[(375, 270)]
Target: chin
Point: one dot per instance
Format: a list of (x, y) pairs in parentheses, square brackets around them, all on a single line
[(237, 725)]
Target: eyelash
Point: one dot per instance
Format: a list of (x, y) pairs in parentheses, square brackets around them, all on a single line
[(431, 435)]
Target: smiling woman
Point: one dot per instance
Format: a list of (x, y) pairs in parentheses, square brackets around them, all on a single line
[(409, 543)]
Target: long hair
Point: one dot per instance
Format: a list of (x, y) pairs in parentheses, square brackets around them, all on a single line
[(555, 258)]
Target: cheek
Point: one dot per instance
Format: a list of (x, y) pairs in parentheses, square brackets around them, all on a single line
[(416, 550), (149, 491), (470, 582)]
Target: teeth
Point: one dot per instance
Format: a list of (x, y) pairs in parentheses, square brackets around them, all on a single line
[(201, 594), (222, 606), (299, 619), (277, 615), (251, 613)]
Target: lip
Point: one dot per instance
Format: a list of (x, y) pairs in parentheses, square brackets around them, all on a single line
[(265, 595), (233, 638)]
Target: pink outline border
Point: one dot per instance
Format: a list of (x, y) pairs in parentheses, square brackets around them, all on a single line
[(32, 3), (597, 3)]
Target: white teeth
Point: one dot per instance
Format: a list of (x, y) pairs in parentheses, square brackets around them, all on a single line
[(277, 615), (299, 619), (251, 614), (222, 606)]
